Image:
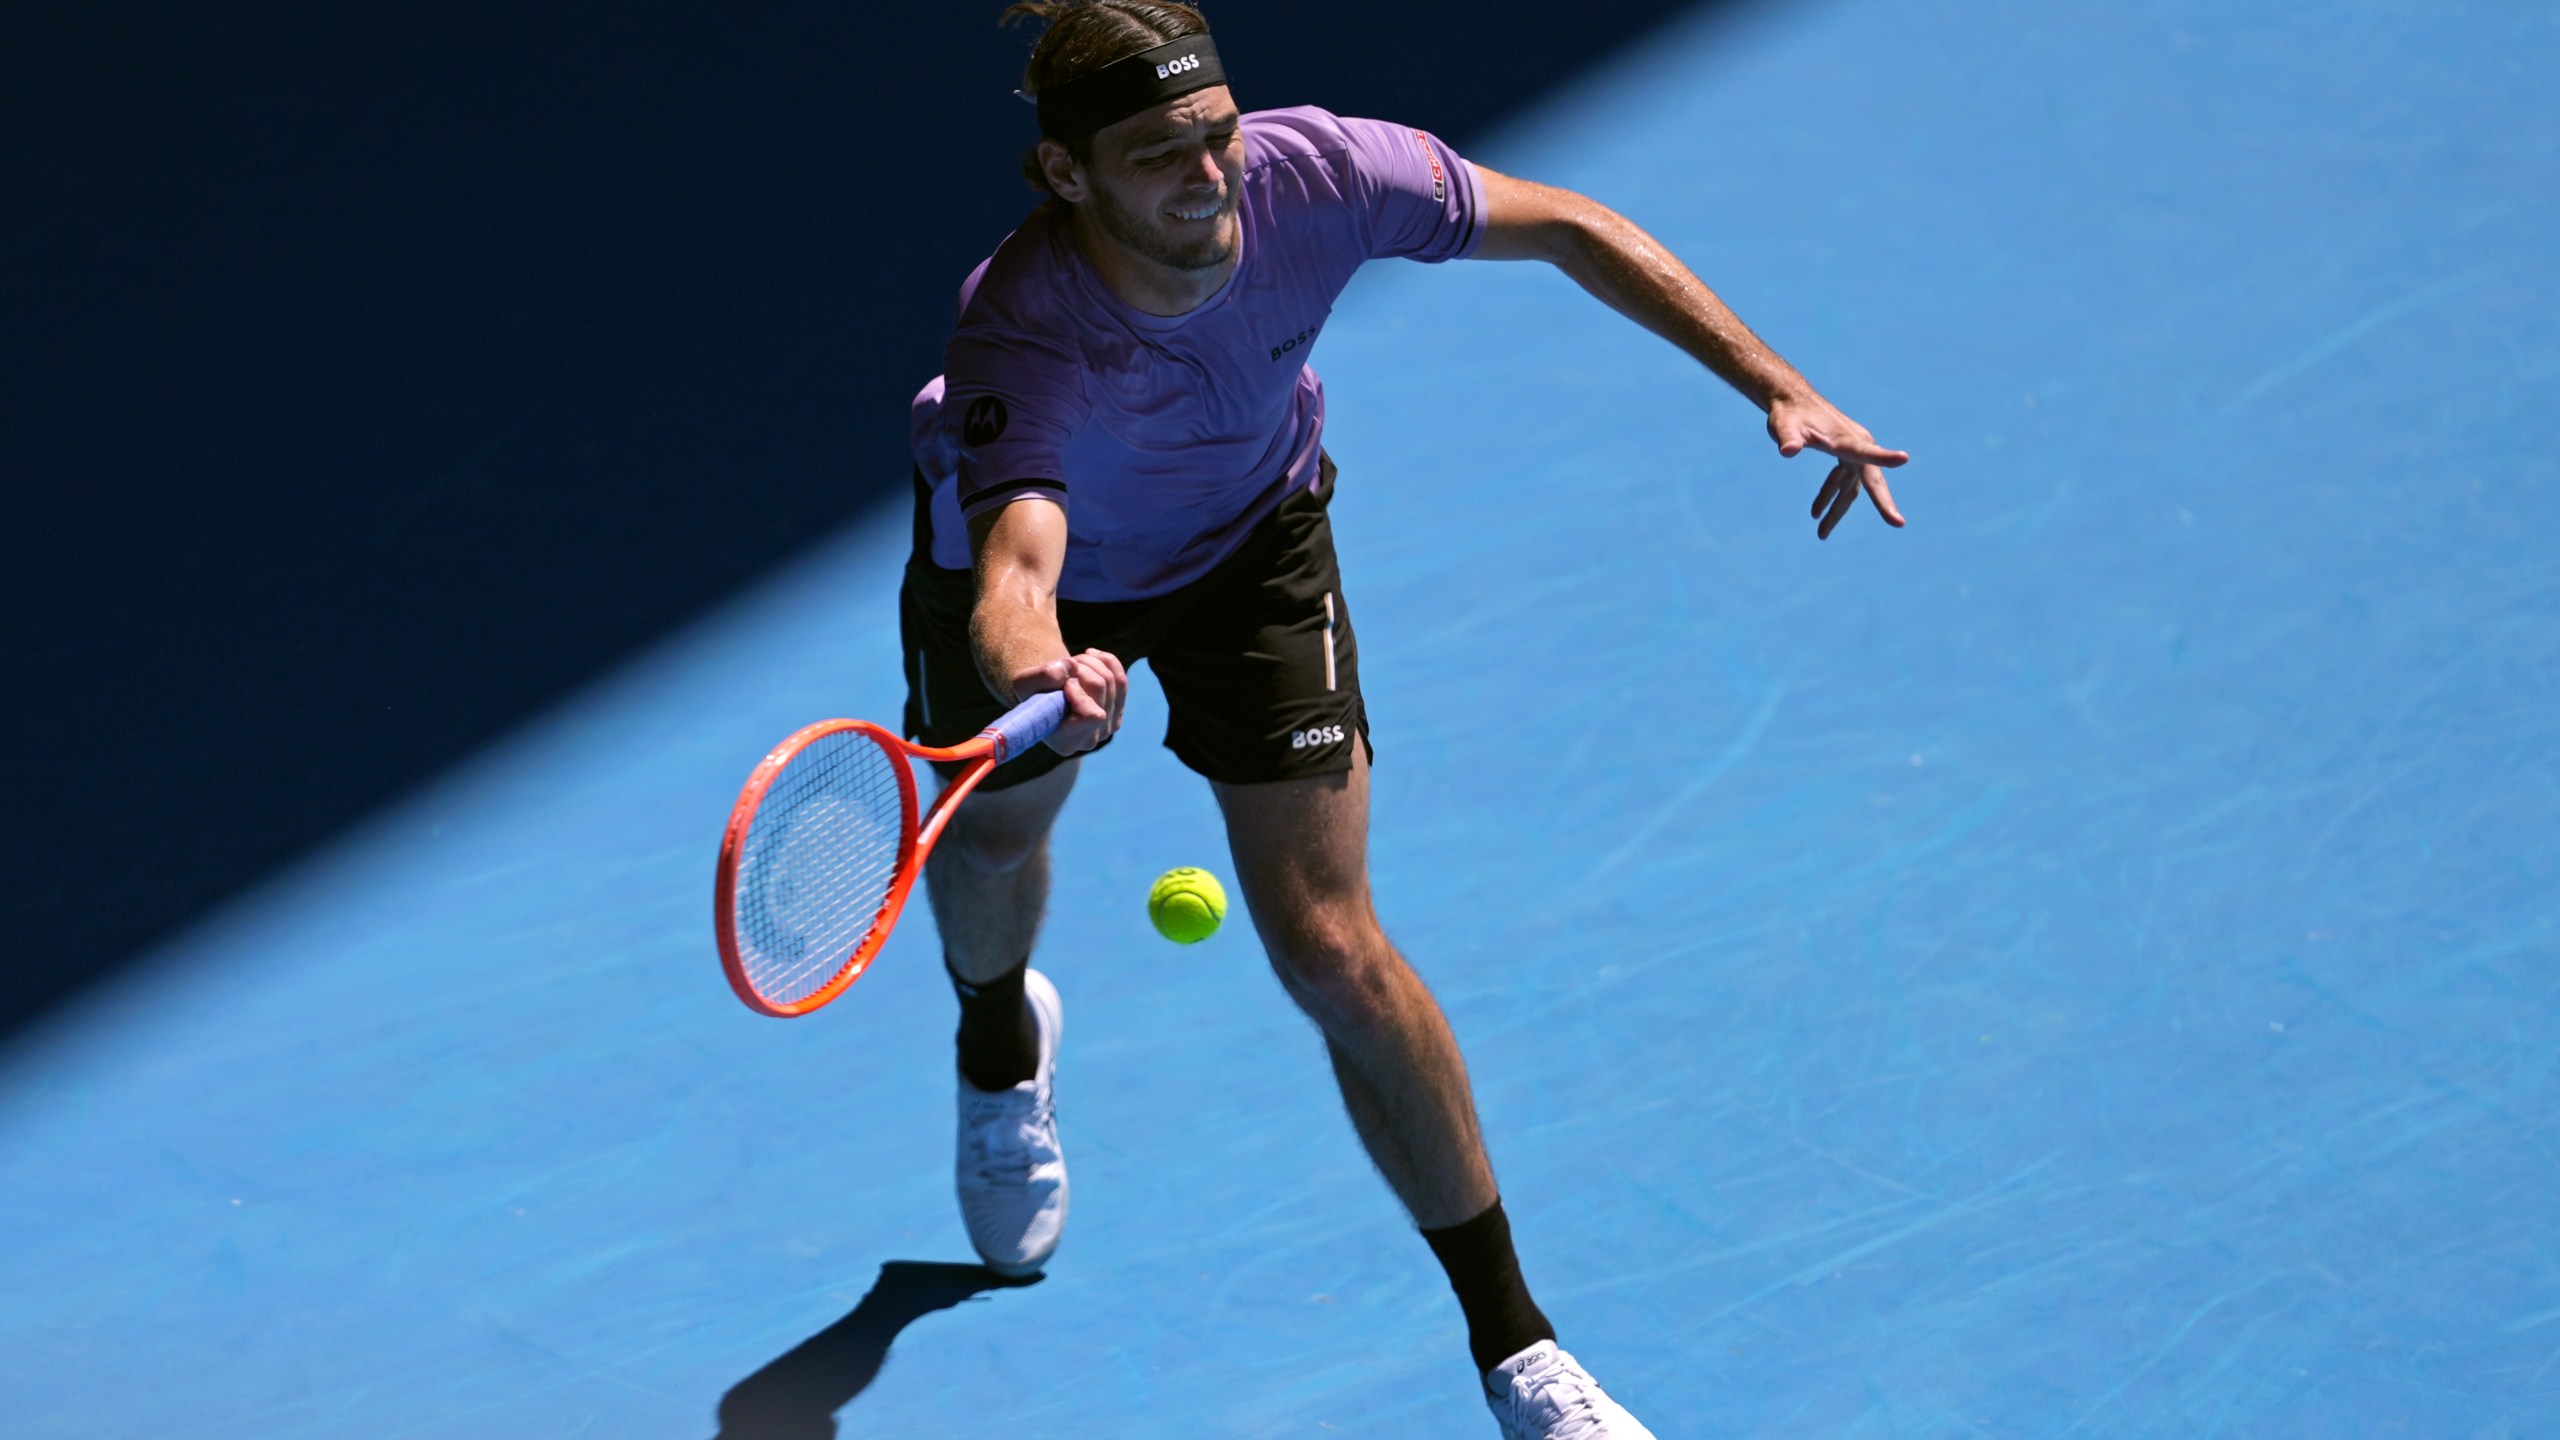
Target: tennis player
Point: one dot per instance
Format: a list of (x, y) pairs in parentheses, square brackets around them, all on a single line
[(1122, 461)]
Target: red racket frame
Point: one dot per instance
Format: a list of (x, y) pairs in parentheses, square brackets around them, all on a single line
[(916, 839)]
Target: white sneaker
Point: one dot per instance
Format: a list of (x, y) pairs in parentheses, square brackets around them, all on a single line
[(1013, 1177), (1541, 1394)]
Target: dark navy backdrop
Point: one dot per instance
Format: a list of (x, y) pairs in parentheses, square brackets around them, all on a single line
[(377, 373)]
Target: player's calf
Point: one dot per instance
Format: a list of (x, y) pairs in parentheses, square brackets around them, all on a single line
[(988, 882)]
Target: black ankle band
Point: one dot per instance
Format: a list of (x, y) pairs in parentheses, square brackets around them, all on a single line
[(1502, 1320), (999, 1041)]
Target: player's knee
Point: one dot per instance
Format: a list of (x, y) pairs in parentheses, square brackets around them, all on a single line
[(1337, 966), (990, 849), (998, 832)]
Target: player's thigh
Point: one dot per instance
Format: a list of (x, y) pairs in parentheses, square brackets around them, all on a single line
[(1301, 852)]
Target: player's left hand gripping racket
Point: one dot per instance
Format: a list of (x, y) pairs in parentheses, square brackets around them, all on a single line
[(824, 844)]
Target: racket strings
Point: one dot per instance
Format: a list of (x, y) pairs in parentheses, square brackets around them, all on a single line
[(817, 865)]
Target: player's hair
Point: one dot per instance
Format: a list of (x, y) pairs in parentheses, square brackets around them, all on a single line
[(1081, 37)]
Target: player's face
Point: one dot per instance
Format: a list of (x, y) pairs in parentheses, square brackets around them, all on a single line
[(1164, 181)]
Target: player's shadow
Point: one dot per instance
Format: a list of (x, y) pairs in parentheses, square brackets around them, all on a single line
[(796, 1397)]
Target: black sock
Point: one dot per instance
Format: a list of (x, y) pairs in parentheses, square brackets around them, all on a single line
[(999, 1041), (1502, 1320)]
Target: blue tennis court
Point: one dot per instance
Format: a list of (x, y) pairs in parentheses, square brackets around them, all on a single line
[(2087, 964)]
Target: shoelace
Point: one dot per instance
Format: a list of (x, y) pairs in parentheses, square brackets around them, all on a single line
[(1004, 1142), (1552, 1387)]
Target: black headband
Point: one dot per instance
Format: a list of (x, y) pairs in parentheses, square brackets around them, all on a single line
[(1128, 85)]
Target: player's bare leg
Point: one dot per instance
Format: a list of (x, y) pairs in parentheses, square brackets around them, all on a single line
[(1302, 858), (988, 882)]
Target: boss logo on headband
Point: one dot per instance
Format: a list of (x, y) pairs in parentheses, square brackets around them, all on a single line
[(1128, 85)]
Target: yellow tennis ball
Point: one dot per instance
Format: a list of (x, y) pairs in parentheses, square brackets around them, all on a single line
[(1186, 905)]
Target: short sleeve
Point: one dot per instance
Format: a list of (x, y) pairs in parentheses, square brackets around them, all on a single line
[(1010, 403), (1424, 202)]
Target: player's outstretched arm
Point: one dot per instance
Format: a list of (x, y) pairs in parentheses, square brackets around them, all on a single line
[(1014, 629), (1630, 272)]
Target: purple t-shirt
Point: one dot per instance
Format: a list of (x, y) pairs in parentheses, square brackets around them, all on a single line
[(1166, 438)]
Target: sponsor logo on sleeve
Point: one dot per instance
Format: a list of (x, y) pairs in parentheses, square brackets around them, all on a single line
[(985, 420), (1430, 157)]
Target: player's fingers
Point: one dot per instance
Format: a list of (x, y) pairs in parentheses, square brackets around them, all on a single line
[(1824, 498), (1873, 480), (1075, 732), (1105, 669), (1842, 497), (1082, 703), (1108, 683), (1865, 449), (1789, 435), (1110, 666)]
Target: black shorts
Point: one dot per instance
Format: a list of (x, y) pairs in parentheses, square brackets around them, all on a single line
[(1256, 657)]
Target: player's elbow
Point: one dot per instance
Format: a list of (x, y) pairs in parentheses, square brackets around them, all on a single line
[(1528, 221), (1571, 243)]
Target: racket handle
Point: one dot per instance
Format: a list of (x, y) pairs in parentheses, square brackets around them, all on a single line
[(1028, 723)]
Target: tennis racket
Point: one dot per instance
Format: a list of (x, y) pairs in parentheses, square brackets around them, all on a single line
[(825, 843)]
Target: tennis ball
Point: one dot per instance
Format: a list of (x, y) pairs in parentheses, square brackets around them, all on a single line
[(1186, 905)]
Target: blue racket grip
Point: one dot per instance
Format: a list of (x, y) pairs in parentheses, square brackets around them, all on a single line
[(1028, 723)]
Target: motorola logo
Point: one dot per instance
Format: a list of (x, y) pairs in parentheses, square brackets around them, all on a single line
[(985, 420)]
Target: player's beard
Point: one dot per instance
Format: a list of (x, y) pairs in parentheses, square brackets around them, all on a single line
[(1145, 233)]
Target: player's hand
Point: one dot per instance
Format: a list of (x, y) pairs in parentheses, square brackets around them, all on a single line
[(1097, 687), (1809, 422)]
